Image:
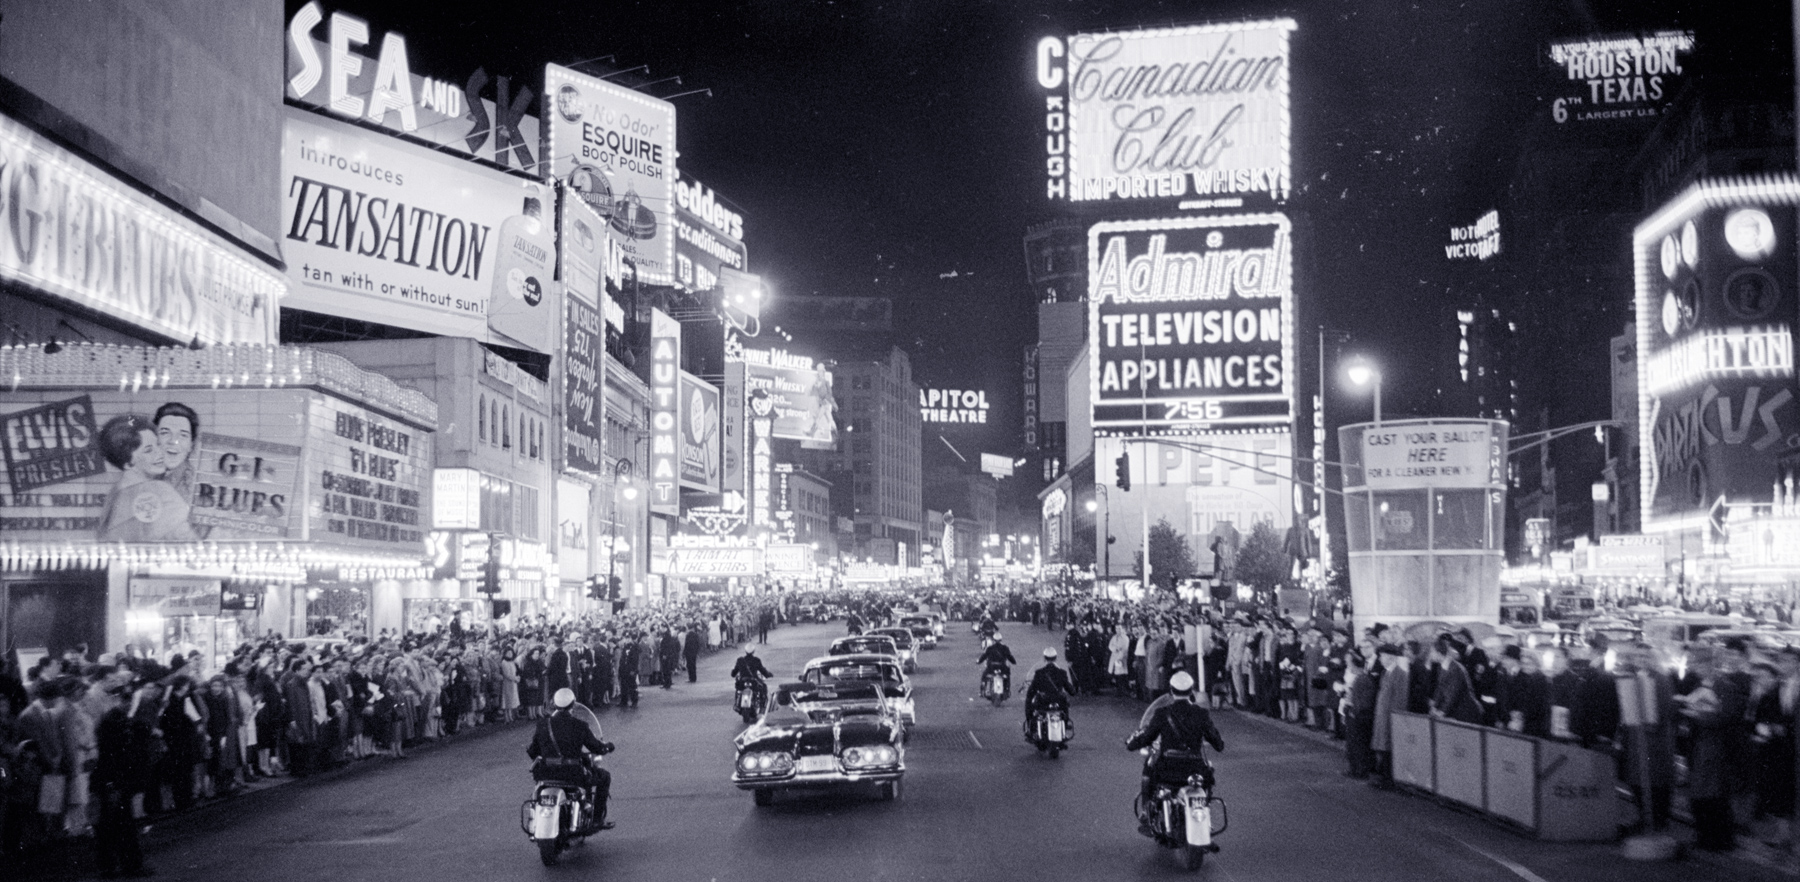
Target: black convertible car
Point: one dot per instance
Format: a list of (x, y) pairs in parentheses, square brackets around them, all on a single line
[(824, 734)]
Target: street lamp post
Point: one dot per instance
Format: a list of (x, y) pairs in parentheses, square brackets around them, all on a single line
[(1362, 373), (622, 467)]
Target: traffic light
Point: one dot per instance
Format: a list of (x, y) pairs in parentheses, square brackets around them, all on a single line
[(1122, 471), (595, 587), (490, 571), (615, 589)]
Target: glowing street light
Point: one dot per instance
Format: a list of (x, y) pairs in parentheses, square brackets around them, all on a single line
[(1362, 372)]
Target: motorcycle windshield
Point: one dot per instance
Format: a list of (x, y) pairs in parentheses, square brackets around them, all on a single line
[(581, 712)]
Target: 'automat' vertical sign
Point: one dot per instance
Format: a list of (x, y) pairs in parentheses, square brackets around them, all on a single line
[(665, 413)]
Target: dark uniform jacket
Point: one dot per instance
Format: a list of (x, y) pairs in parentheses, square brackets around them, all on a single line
[(562, 737), (1181, 726), (747, 665), (1049, 687), (997, 655)]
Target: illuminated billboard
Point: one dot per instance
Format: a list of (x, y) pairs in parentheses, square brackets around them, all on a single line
[(802, 405), (665, 413), (699, 438), (953, 405), (615, 147), (1191, 323), (379, 230), (1626, 77), (1715, 272), (709, 236), (584, 354), (1197, 114)]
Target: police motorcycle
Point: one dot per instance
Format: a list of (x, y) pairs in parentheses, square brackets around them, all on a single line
[(751, 696), (996, 679), (1050, 730), (1181, 810), (561, 810)]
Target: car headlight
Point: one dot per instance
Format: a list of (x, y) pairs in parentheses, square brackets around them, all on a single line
[(765, 763), (867, 757)]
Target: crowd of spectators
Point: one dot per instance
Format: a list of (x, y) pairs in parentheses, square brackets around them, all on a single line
[(90, 745), (1726, 712)]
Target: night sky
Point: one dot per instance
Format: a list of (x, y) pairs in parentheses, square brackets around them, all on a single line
[(879, 148)]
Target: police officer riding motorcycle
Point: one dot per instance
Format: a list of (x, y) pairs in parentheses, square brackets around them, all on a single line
[(996, 677), (1047, 723), (752, 694), (563, 751), (1175, 798)]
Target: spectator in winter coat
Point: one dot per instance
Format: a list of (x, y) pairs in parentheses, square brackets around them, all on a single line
[(1390, 699), (1454, 696)]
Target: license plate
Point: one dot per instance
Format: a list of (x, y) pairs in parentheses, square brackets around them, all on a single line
[(816, 764), (1056, 730)]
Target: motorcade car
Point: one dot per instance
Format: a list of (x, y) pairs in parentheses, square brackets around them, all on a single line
[(924, 631), (904, 644), (881, 644), (882, 670), (824, 734)]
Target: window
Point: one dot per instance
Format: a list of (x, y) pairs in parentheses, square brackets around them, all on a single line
[(506, 428), (481, 419)]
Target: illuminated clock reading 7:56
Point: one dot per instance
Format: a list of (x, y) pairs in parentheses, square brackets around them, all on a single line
[(1194, 409)]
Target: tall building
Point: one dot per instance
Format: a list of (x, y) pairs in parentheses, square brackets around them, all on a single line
[(1056, 275), (879, 451)]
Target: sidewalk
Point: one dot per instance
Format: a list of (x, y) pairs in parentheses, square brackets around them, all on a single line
[(73, 858), (1750, 850)]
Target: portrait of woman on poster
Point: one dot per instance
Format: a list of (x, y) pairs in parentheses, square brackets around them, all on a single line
[(143, 508)]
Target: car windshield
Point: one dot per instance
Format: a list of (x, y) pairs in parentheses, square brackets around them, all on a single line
[(846, 646), (862, 670)]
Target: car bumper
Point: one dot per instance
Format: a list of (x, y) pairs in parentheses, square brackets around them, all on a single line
[(831, 778)]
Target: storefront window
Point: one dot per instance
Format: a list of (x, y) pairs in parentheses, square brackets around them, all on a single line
[(337, 610)]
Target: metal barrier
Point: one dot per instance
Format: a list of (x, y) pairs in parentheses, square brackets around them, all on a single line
[(1554, 790)]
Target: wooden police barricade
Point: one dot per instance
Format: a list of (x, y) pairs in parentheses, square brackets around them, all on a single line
[(1575, 794), (1412, 758), (1458, 771), (1511, 766)]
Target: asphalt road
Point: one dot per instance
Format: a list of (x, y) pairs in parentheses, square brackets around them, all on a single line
[(979, 804)]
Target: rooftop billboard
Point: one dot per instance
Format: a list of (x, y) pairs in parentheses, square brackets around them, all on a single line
[(615, 147), (1192, 325), (1196, 114)]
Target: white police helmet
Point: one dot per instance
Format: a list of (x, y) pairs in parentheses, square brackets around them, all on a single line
[(564, 697), (1182, 683)]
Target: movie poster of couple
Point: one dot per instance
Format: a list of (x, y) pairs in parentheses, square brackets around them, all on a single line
[(125, 471)]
